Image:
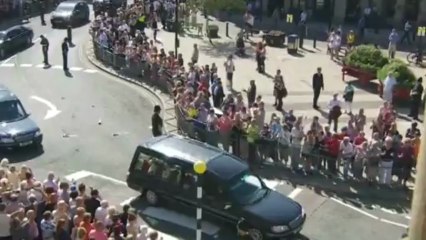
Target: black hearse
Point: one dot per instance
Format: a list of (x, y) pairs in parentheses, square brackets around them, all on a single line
[(162, 168)]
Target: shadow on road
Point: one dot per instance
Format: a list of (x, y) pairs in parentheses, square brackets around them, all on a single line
[(21, 154), (358, 193)]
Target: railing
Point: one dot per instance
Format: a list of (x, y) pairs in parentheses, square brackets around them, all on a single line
[(235, 142)]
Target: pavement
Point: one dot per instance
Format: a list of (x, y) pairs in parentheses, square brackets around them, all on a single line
[(77, 148)]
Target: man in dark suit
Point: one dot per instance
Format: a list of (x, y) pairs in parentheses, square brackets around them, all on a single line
[(157, 122), (317, 85), (65, 53), (45, 48)]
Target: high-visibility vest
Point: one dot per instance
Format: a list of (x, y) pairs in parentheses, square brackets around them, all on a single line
[(252, 133), (142, 19)]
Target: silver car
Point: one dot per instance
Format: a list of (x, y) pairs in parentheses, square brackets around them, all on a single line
[(17, 129)]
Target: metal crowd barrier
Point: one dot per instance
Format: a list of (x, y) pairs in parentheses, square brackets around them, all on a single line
[(163, 80)]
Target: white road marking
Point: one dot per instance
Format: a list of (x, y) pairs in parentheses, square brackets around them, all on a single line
[(40, 66), (408, 217), (57, 66), (295, 192), (8, 60), (26, 65), (53, 110), (368, 214), (7, 65), (78, 175), (76, 69), (128, 201), (36, 40), (90, 71)]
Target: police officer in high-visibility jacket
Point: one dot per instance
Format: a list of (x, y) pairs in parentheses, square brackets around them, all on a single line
[(252, 137)]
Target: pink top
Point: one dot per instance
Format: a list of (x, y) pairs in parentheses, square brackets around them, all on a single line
[(97, 235)]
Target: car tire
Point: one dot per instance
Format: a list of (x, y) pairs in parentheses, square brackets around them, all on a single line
[(53, 26), (2, 53), (151, 197), (255, 234)]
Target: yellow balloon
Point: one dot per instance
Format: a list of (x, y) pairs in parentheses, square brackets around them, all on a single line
[(200, 167)]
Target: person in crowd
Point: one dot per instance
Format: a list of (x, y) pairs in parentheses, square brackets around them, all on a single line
[(65, 50), (335, 111), (230, 69), (360, 160), (416, 99), (317, 85), (260, 57), (348, 96), (157, 122), (280, 91), (347, 152), (393, 41), (387, 157), (297, 136)]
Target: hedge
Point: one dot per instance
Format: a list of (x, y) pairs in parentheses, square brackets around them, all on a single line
[(366, 58), (403, 74)]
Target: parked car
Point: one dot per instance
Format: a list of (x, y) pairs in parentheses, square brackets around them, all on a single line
[(162, 169), (17, 129), (15, 38), (70, 13)]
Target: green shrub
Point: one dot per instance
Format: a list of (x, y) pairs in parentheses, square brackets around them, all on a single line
[(403, 74), (366, 58)]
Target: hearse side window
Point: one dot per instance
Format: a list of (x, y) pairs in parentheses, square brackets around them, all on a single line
[(158, 168), (143, 162), (188, 181)]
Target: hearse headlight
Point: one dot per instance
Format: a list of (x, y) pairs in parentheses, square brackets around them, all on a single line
[(38, 133), (6, 138), (279, 229)]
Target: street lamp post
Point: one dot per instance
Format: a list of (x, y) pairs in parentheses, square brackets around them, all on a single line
[(200, 168), (418, 206)]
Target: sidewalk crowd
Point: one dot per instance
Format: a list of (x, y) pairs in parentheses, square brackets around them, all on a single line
[(54, 209), (237, 121)]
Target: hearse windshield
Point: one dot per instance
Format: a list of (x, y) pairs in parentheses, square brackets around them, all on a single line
[(247, 189)]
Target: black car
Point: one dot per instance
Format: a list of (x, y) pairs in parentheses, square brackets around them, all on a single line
[(15, 38), (162, 169), (70, 13)]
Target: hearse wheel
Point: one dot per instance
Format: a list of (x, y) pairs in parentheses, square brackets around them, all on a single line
[(151, 197), (255, 234)]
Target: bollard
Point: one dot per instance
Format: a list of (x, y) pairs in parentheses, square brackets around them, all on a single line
[(315, 43), (227, 29)]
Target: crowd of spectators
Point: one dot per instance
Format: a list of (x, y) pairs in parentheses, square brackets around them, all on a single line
[(238, 122), (53, 209)]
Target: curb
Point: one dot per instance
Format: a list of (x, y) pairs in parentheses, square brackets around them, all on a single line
[(161, 97)]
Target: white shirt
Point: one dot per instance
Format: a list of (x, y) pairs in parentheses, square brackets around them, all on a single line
[(296, 136), (334, 103), (50, 183), (347, 149), (303, 16), (407, 26), (250, 19), (4, 225), (101, 214), (389, 83), (229, 66)]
